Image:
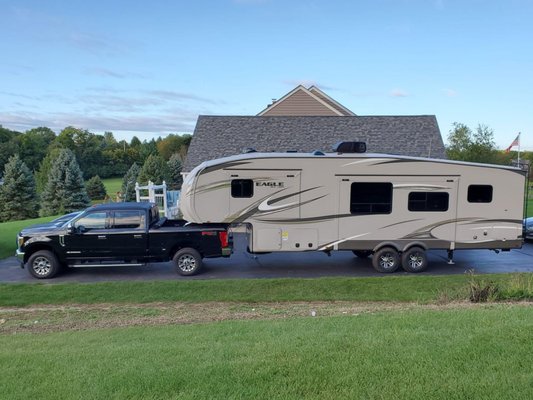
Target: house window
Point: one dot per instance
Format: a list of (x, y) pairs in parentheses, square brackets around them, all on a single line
[(242, 188), (428, 201), (371, 198), (479, 193)]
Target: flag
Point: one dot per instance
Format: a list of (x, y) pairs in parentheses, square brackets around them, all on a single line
[(516, 142)]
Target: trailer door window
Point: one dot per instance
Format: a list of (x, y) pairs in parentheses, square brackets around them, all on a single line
[(479, 193), (428, 201), (242, 188), (371, 198)]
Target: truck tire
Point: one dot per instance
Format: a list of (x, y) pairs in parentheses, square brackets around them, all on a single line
[(414, 260), (43, 264), (362, 253), (188, 261), (386, 260)]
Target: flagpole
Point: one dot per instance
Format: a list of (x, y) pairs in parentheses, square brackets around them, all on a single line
[(519, 133)]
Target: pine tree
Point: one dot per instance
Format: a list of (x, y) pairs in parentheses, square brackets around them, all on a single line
[(65, 190), (18, 197), (154, 169), (95, 188), (128, 183), (175, 178)]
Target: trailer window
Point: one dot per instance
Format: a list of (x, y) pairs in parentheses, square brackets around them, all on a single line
[(242, 188), (428, 201), (371, 198), (479, 193)]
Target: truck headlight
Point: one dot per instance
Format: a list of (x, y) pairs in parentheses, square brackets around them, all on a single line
[(20, 241)]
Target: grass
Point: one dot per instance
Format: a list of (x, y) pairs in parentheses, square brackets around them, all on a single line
[(481, 352), (423, 289), (112, 186)]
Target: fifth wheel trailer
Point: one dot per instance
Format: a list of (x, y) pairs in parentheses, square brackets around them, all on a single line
[(391, 207)]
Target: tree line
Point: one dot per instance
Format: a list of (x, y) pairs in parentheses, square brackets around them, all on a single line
[(100, 155), (48, 174)]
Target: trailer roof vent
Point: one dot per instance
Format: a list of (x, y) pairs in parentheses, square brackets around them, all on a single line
[(350, 147), (318, 153), (249, 150), (292, 151)]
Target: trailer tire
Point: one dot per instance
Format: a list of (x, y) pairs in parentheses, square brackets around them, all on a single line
[(414, 260), (43, 264), (362, 253), (386, 260), (188, 261)]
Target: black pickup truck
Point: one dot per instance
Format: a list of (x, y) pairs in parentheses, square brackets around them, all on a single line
[(120, 234)]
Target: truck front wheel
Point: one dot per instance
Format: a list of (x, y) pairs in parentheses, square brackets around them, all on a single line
[(188, 261), (43, 264)]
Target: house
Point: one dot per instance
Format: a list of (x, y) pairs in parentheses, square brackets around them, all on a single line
[(305, 120)]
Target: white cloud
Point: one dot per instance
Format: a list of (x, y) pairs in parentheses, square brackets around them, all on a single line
[(450, 92), (398, 93)]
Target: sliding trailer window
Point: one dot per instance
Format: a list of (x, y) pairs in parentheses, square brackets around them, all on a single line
[(371, 198), (428, 201), (242, 188)]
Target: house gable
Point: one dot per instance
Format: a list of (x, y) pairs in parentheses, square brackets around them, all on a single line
[(301, 102)]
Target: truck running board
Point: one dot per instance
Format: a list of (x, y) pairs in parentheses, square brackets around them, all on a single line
[(91, 265)]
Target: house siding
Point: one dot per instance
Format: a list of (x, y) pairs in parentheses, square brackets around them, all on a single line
[(300, 104)]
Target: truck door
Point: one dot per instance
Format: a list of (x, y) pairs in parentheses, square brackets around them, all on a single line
[(90, 239), (127, 235), (397, 209)]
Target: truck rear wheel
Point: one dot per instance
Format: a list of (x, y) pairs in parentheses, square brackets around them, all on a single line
[(188, 261), (414, 260), (43, 264), (386, 260)]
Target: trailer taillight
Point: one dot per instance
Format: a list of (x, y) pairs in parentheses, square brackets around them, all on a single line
[(223, 236)]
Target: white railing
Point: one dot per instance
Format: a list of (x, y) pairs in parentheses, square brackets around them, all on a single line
[(156, 194)]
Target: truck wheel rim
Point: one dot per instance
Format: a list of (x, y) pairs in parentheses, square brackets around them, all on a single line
[(41, 266), (416, 261), (186, 263), (386, 261)]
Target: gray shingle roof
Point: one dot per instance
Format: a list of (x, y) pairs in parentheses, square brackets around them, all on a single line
[(221, 136)]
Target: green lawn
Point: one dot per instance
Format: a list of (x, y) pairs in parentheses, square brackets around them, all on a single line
[(112, 186), (410, 288), (463, 353)]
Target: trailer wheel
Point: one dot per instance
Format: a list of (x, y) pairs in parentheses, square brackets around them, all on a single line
[(362, 253), (386, 260), (43, 264), (188, 261), (414, 260)]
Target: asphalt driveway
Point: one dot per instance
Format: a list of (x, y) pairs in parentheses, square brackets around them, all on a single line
[(285, 265)]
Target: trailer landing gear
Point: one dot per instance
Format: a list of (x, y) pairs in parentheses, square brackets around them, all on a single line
[(450, 257)]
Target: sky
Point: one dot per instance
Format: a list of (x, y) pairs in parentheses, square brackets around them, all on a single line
[(150, 68)]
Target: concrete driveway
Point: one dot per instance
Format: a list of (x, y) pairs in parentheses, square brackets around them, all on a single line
[(285, 265)]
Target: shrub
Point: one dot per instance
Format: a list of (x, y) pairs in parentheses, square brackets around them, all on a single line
[(95, 188)]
